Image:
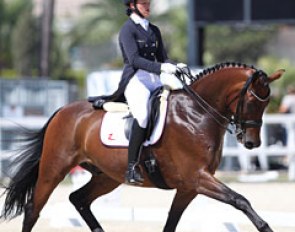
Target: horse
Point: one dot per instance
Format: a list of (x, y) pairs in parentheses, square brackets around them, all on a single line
[(188, 152)]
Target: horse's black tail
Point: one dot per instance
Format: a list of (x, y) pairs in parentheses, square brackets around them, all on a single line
[(20, 189)]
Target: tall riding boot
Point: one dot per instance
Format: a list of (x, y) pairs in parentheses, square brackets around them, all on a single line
[(133, 174)]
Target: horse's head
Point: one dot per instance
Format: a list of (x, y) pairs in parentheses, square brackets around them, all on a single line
[(250, 105), (238, 95)]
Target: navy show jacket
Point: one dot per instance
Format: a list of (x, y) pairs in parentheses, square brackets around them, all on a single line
[(140, 49)]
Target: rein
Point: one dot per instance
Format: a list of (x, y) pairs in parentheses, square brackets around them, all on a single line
[(235, 120), (183, 75)]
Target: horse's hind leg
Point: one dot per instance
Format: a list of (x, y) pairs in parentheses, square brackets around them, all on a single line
[(82, 198), (211, 187), (43, 189)]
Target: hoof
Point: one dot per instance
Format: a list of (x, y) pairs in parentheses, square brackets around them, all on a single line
[(98, 230), (266, 228)]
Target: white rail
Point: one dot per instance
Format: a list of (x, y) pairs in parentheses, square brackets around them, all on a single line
[(10, 126), (270, 147)]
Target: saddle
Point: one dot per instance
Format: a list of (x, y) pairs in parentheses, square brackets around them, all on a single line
[(117, 122), (116, 129)]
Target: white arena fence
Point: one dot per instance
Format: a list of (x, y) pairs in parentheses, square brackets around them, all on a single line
[(277, 141), (277, 134)]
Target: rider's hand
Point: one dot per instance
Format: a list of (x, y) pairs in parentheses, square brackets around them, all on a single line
[(168, 68), (181, 65)]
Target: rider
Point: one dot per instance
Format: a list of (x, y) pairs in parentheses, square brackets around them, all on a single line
[(145, 58)]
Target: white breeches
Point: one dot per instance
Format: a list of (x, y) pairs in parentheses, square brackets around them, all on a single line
[(137, 94)]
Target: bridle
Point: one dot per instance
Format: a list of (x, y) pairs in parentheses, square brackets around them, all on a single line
[(236, 118), (242, 125)]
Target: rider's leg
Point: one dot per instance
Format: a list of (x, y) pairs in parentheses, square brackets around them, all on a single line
[(133, 174), (137, 96)]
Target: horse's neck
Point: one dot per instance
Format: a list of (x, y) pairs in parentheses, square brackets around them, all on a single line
[(193, 123), (209, 102), (216, 87)]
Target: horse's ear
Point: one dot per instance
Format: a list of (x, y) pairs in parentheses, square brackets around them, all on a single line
[(276, 75)]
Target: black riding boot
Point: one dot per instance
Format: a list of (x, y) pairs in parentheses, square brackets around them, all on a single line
[(133, 174)]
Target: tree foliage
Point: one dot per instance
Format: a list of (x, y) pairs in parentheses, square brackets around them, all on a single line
[(25, 41), (248, 45), (173, 25), (10, 12), (20, 39), (102, 21), (236, 43), (271, 64), (99, 22)]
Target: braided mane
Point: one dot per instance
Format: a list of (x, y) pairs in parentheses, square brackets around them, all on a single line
[(220, 66)]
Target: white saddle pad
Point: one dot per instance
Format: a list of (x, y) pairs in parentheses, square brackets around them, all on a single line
[(112, 131)]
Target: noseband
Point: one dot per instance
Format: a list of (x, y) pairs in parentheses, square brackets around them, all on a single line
[(242, 125), (236, 120)]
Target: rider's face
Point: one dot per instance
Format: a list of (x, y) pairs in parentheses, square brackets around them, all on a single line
[(143, 6)]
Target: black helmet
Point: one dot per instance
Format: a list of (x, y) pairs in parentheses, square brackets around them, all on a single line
[(127, 2), (129, 11)]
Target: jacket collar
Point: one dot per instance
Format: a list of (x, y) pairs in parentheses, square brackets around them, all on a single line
[(141, 21)]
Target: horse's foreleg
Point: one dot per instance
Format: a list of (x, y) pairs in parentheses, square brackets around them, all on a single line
[(180, 202), (211, 187), (83, 197)]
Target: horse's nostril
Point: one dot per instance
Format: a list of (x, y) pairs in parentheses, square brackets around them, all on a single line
[(249, 145)]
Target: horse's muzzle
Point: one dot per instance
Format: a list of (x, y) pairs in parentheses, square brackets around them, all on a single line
[(250, 142), (249, 145)]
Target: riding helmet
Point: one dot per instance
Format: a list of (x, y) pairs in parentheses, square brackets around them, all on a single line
[(129, 10), (127, 2)]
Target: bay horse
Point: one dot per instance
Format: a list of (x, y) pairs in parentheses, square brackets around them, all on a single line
[(188, 152)]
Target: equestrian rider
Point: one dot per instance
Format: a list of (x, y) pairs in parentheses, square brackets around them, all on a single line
[(145, 58)]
